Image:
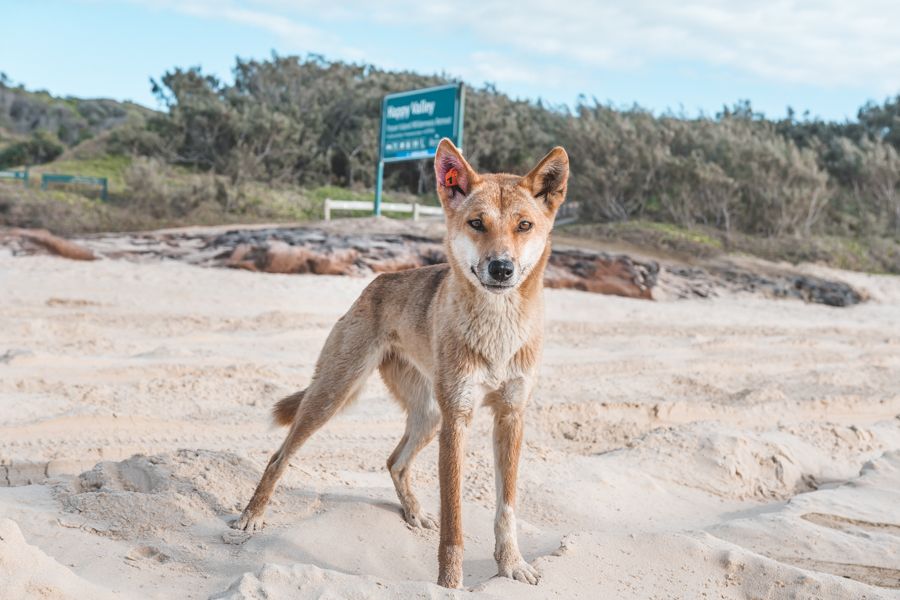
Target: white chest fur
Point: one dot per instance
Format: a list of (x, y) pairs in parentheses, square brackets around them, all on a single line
[(496, 328)]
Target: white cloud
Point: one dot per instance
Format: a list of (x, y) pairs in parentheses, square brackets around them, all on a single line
[(293, 32), (830, 43), (494, 66)]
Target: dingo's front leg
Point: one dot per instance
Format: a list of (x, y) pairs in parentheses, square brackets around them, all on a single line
[(509, 405), (451, 455), (457, 409)]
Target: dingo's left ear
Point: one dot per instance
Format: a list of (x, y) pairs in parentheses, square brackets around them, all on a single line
[(547, 181), (455, 177)]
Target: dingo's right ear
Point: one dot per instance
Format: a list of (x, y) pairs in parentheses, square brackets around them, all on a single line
[(455, 177)]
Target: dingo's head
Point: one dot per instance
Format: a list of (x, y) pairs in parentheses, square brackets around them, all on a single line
[(498, 225)]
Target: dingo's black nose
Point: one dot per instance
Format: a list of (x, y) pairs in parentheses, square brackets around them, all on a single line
[(501, 270)]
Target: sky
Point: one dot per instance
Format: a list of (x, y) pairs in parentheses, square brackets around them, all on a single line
[(688, 56)]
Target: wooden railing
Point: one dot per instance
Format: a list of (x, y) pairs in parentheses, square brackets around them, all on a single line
[(417, 210)]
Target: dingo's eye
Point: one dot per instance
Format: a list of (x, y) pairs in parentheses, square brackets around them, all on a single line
[(476, 224), (525, 225)]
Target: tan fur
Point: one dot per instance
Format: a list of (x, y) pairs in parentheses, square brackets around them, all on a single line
[(446, 339)]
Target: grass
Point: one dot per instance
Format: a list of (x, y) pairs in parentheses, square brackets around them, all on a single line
[(339, 193), (870, 254), (112, 167), (278, 204), (61, 211), (320, 194), (665, 237), (167, 197), (675, 232)]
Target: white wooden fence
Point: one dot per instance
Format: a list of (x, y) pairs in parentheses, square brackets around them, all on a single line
[(417, 210), (568, 212)]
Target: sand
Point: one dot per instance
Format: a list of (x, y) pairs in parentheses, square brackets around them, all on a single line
[(729, 448)]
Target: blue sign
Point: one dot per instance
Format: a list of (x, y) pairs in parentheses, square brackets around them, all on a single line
[(413, 123)]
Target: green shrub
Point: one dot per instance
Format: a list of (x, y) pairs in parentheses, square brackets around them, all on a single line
[(40, 148)]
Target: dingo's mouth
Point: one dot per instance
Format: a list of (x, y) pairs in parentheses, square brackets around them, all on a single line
[(497, 288)]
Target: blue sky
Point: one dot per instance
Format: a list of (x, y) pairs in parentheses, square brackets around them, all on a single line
[(828, 57)]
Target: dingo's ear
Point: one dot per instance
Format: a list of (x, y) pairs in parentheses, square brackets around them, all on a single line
[(454, 176), (547, 181)]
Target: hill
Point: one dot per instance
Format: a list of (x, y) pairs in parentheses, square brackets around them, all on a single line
[(36, 127), (71, 120)]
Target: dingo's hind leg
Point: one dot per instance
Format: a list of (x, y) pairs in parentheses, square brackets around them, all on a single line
[(422, 420), (349, 356)]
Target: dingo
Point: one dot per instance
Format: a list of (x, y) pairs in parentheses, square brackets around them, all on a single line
[(445, 338)]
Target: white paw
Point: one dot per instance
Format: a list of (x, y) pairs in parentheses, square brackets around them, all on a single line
[(420, 520), (247, 522), (520, 571)]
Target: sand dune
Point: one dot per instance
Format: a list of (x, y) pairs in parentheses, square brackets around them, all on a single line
[(737, 447)]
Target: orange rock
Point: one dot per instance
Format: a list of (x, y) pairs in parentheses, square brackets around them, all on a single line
[(601, 274), (284, 258), (55, 245), (339, 262)]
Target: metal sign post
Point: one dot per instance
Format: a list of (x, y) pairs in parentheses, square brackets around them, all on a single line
[(413, 123)]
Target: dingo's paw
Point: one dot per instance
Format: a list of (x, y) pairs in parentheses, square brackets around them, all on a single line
[(520, 571), (419, 520), (248, 522)]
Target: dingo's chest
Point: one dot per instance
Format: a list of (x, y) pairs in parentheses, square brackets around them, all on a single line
[(501, 342)]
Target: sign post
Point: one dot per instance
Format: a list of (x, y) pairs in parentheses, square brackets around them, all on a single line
[(413, 123)]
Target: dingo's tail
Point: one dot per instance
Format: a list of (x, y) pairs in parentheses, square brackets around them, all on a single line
[(286, 408)]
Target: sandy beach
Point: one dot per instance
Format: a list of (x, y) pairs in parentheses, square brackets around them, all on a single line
[(735, 447)]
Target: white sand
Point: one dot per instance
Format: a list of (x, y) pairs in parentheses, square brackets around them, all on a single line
[(733, 448)]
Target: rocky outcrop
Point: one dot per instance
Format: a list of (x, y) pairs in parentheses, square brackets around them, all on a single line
[(358, 248), (713, 279), (323, 253)]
